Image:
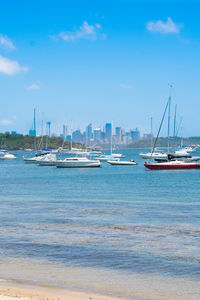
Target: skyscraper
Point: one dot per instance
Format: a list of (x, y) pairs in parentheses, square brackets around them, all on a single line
[(32, 132), (118, 132), (64, 135), (89, 131), (135, 134), (48, 128), (77, 136), (97, 135), (108, 131)]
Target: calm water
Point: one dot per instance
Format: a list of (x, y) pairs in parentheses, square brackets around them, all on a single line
[(119, 230)]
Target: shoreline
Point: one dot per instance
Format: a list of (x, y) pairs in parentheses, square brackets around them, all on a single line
[(21, 291)]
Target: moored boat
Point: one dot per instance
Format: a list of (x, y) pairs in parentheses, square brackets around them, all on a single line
[(174, 164), (37, 158), (77, 162), (153, 155), (8, 156), (48, 160), (106, 157), (121, 162), (117, 155)]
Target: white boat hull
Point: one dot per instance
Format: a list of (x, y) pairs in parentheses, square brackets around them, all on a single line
[(154, 155), (121, 163), (8, 156), (77, 163), (106, 158), (49, 157), (118, 155)]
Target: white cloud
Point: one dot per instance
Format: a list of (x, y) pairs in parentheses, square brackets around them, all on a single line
[(33, 86), (98, 26), (5, 122), (10, 67), (163, 27), (6, 43), (126, 86), (86, 31)]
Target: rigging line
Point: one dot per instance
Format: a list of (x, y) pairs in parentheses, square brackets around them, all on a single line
[(159, 128), (179, 126)]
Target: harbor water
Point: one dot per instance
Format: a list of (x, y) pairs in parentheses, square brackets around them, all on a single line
[(123, 231)]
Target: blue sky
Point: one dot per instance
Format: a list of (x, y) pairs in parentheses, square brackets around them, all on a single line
[(96, 61)]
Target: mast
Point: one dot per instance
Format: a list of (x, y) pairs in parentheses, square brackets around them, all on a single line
[(169, 111), (160, 128), (46, 136), (181, 137), (111, 139), (42, 133), (175, 125), (34, 125), (86, 139), (179, 126), (151, 133)]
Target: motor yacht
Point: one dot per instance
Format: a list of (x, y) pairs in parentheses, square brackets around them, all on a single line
[(77, 162), (122, 162), (106, 157), (150, 155), (181, 152), (118, 155)]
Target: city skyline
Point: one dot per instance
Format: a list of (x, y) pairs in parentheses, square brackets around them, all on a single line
[(106, 60), (90, 135)]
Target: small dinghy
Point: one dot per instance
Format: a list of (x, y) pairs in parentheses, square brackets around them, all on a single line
[(8, 156)]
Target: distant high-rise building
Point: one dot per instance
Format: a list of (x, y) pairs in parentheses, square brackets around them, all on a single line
[(32, 132), (64, 134), (89, 131), (77, 136), (135, 134), (48, 128), (68, 138), (97, 135), (118, 132), (108, 131), (102, 135)]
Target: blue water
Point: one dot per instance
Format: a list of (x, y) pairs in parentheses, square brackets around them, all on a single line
[(126, 220)]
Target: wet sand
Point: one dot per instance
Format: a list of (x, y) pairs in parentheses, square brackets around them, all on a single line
[(9, 292)]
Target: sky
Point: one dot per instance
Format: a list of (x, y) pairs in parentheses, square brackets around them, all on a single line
[(98, 61)]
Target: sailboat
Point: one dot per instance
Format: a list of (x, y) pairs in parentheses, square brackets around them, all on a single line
[(37, 156), (172, 162), (158, 154)]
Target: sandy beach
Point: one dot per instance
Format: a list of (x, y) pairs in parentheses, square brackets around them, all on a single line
[(9, 292)]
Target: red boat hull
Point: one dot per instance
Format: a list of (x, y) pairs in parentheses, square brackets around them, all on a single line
[(170, 167)]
